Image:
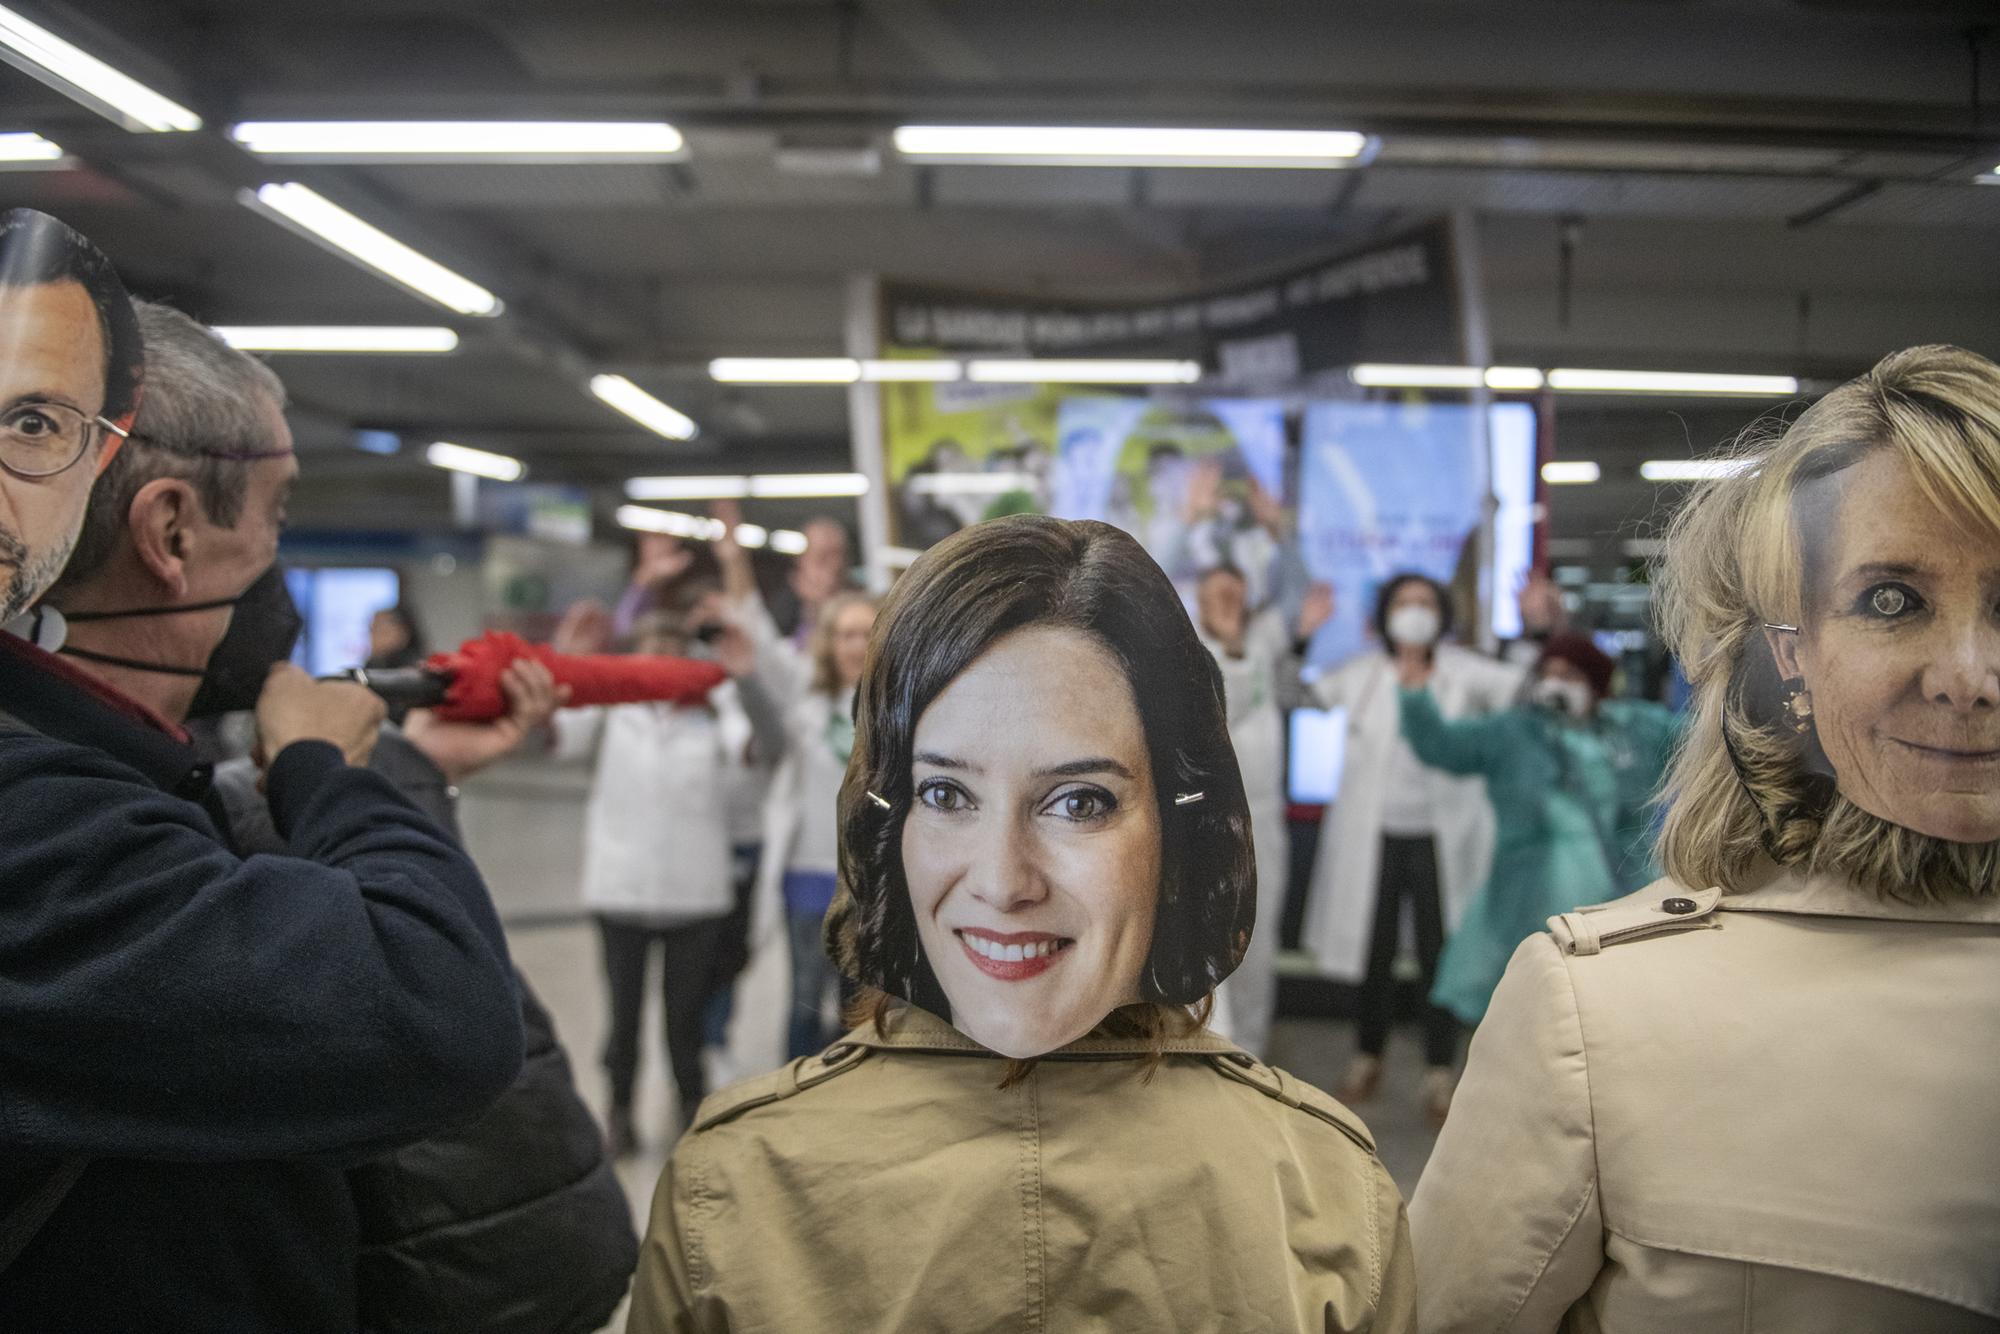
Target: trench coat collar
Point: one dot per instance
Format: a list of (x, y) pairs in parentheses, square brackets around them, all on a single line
[(909, 1028), (1785, 890)]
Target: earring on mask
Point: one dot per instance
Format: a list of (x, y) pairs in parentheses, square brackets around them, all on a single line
[(1798, 705), (1798, 702), (881, 801)]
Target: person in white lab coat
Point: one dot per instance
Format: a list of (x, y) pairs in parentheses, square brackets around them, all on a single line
[(656, 853), (1259, 659), (1399, 831)]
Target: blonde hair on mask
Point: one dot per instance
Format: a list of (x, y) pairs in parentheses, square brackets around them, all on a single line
[(1747, 550)]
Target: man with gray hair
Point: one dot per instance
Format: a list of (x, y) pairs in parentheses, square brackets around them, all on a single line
[(200, 1041)]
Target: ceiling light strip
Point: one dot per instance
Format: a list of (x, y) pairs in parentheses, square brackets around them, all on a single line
[(331, 338), (462, 140), (77, 74), (372, 247), (628, 398), (478, 462), (1109, 146)]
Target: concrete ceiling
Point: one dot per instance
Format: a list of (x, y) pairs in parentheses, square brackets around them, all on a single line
[(1782, 185)]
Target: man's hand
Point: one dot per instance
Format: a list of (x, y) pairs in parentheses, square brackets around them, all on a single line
[(463, 749), (294, 707), (584, 628)]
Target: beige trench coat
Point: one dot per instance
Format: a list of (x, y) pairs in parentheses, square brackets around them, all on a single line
[(889, 1185), (1776, 1110)]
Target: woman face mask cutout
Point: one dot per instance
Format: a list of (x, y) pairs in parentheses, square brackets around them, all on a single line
[(1899, 656), (1032, 845)]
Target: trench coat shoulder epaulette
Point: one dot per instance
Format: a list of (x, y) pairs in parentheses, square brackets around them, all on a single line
[(1662, 908), (1275, 1084), (784, 1082)]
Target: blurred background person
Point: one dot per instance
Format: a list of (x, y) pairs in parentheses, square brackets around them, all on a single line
[(1399, 832), (1571, 774), (820, 573), (1758, 1095), (815, 692), (1259, 661), (657, 864), (396, 638)]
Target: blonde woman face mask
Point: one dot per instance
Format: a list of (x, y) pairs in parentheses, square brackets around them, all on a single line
[(1900, 652), (1032, 847)]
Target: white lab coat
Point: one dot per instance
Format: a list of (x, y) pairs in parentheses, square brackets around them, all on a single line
[(656, 831), (1257, 687), (1341, 909)]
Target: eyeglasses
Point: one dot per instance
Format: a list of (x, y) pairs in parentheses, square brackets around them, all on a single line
[(43, 439)]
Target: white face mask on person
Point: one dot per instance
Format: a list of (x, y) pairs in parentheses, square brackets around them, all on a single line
[(1570, 698), (1412, 626)]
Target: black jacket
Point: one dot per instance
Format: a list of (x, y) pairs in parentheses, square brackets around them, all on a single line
[(512, 1224), (221, 1037)]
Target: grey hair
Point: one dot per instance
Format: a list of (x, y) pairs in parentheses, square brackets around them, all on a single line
[(203, 399)]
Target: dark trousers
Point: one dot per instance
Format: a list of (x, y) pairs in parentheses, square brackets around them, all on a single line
[(687, 965), (1409, 874)]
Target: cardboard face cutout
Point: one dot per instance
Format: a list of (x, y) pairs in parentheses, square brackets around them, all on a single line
[(1043, 819), (70, 367), (1884, 690)]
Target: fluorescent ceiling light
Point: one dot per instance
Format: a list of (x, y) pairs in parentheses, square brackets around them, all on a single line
[(28, 147), (785, 486), (784, 370), (458, 140), (336, 338), (1097, 146), (912, 369), (1513, 377), (1577, 472), (967, 483), (478, 462), (1671, 382), (1085, 372), (769, 486), (77, 74), (643, 408), (1991, 177), (1376, 376), (1689, 470), (328, 222), (688, 488), (645, 519)]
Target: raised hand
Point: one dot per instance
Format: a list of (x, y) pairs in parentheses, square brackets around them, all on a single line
[(585, 628)]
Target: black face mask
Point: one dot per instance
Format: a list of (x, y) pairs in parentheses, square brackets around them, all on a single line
[(261, 635)]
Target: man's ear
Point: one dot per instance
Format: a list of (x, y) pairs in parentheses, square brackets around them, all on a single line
[(161, 524)]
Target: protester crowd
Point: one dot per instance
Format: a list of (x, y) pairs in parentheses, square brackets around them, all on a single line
[(265, 1063)]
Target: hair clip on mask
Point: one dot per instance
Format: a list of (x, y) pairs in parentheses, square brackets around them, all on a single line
[(882, 801), (1188, 798)]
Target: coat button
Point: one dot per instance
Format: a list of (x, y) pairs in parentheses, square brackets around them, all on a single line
[(1680, 907)]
